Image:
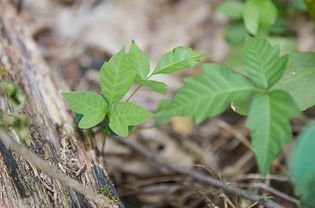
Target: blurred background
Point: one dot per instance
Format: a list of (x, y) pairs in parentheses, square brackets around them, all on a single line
[(76, 37)]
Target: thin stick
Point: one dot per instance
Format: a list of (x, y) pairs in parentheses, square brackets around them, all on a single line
[(235, 133), (160, 162), (274, 191), (259, 177), (53, 172)]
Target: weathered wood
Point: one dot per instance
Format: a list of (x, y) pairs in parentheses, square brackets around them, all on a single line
[(53, 134)]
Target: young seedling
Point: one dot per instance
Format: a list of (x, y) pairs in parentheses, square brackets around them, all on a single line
[(266, 90), (109, 108)]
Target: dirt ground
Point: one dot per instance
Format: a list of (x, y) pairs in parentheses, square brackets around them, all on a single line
[(77, 36)]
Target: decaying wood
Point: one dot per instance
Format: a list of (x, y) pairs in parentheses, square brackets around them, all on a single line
[(46, 168), (53, 134)]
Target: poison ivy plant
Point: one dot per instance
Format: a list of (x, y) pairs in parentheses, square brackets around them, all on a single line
[(302, 167), (116, 78), (288, 83), (253, 92)]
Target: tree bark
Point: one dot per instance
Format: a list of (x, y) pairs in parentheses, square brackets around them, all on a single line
[(54, 136)]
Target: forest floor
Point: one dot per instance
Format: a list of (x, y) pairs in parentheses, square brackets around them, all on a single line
[(76, 37)]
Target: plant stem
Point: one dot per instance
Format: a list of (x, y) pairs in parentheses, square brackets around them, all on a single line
[(133, 93), (103, 143), (137, 89)]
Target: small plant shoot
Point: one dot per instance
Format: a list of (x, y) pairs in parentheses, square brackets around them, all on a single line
[(116, 78), (262, 91)]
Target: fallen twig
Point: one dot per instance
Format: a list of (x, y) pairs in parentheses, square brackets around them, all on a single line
[(275, 192), (151, 156)]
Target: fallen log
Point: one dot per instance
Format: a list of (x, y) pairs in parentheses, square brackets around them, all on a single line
[(53, 135)]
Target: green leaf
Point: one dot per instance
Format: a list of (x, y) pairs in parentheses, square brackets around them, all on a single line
[(234, 33), (299, 78), (307, 198), (126, 114), (262, 62), (231, 8), (269, 125), (259, 14), (138, 60), (91, 105), (302, 166), (160, 87), (210, 93), (178, 59), (116, 77), (242, 106)]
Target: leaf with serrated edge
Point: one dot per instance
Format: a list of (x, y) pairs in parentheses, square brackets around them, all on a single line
[(269, 125), (116, 77), (160, 87), (302, 166), (299, 78), (126, 114), (259, 14), (91, 105), (138, 60), (209, 94), (178, 59), (262, 62)]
